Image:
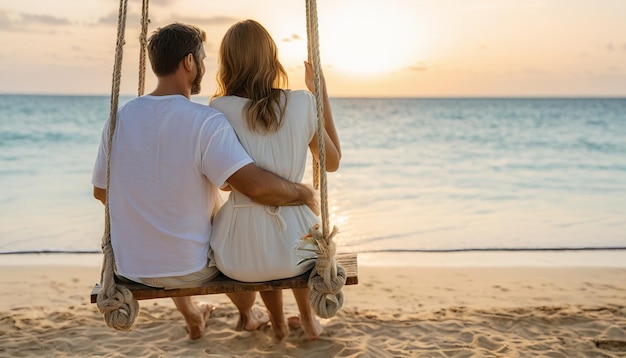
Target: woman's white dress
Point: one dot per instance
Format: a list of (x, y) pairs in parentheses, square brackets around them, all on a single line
[(252, 242)]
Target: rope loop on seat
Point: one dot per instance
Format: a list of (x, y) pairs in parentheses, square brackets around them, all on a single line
[(115, 302), (327, 278)]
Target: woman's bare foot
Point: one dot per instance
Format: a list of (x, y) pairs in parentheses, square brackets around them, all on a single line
[(312, 329), (253, 320), (294, 322), (274, 303), (308, 321), (196, 324)]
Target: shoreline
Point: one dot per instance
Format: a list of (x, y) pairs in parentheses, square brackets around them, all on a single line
[(539, 258)]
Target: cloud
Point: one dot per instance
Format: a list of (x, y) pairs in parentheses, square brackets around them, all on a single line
[(111, 19), (44, 20), (205, 21), (87, 58), (535, 71), (134, 19), (24, 22), (154, 2), (611, 47), (5, 22), (293, 37), (418, 67), (163, 2)]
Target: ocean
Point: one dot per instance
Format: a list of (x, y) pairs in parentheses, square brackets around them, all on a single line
[(417, 175)]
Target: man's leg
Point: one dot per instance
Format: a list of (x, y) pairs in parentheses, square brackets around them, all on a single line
[(196, 316), (274, 302), (250, 318)]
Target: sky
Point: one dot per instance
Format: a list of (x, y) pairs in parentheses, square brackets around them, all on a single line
[(369, 48)]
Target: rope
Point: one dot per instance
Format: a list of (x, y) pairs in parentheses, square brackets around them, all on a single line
[(316, 163), (327, 278), (143, 43), (116, 302), (315, 58)]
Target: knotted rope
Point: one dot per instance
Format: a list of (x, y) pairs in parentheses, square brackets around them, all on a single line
[(327, 278), (116, 302), (143, 44)]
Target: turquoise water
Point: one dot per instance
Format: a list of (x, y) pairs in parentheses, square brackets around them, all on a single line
[(416, 174)]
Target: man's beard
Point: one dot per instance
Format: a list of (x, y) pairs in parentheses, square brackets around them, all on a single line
[(196, 86)]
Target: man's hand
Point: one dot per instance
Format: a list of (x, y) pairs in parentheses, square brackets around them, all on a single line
[(313, 202)]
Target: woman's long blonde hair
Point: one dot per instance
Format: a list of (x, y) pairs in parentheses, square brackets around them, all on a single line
[(249, 67)]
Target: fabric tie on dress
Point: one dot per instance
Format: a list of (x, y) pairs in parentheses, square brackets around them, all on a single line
[(241, 201), (275, 212)]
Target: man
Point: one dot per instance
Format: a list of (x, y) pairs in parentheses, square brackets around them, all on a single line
[(168, 159)]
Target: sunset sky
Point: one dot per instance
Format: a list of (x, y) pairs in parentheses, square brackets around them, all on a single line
[(369, 48)]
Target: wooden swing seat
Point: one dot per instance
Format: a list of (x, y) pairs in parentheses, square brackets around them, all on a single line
[(223, 284)]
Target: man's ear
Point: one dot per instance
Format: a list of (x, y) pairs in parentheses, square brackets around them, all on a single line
[(188, 62)]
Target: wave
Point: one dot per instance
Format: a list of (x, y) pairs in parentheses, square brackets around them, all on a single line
[(493, 249), (27, 252)]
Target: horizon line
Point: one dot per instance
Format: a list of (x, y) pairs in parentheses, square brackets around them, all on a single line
[(555, 96)]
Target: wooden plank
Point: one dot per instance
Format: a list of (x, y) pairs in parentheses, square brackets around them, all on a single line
[(223, 284)]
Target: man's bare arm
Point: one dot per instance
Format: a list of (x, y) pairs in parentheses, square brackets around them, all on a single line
[(100, 194), (269, 189)]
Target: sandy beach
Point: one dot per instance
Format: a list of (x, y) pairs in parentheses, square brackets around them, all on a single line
[(395, 311)]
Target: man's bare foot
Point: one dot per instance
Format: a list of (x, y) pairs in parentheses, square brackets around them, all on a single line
[(254, 320), (196, 325), (312, 329)]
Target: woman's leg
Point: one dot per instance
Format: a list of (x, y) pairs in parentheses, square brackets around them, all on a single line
[(274, 302), (308, 321)]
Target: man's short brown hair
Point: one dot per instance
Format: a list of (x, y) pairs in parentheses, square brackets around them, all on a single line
[(170, 44)]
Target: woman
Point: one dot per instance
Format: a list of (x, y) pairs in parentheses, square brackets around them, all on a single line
[(277, 127)]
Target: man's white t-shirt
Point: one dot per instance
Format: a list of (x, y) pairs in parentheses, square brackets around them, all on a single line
[(169, 157)]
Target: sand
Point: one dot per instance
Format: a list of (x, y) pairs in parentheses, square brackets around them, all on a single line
[(395, 311)]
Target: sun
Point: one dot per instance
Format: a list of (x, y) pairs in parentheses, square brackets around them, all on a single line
[(360, 37)]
